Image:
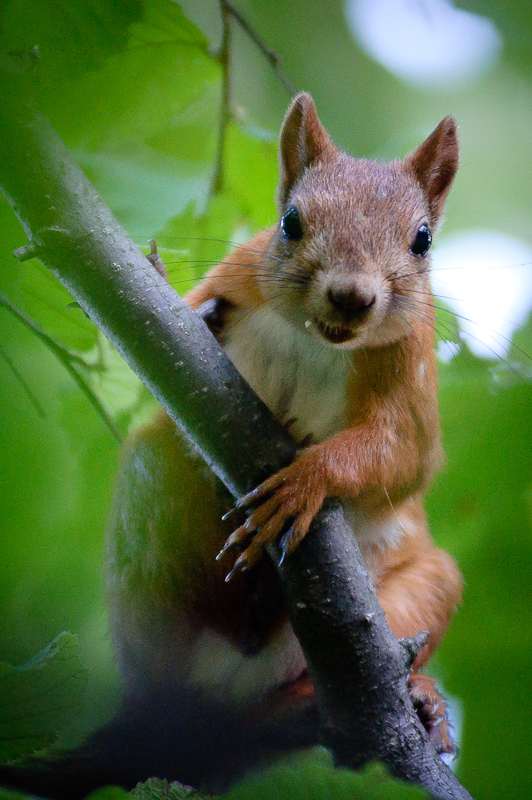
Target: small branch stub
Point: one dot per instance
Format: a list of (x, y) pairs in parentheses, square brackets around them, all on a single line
[(26, 252), (412, 646)]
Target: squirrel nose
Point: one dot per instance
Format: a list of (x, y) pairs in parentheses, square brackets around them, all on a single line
[(351, 303)]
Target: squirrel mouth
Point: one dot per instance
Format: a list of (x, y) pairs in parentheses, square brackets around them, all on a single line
[(334, 333)]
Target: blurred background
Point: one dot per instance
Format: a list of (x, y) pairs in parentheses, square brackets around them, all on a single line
[(134, 88)]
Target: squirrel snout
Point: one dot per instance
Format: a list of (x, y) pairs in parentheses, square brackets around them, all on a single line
[(352, 303)]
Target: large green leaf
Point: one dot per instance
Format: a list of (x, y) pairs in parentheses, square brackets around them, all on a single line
[(200, 237), (129, 87), (138, 93), (73, 38), (314, 778), (38, 698)]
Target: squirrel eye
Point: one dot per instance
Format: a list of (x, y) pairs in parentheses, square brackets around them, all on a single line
[(291, 224), (421, 244)]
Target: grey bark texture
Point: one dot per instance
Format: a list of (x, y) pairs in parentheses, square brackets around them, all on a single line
[(358, 667)]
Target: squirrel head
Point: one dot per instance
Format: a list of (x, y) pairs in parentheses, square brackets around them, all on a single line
[(351, 252)]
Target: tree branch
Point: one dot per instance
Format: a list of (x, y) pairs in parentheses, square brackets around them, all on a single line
[(361, 691)]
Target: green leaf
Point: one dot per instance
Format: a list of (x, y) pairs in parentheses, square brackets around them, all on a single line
[(38, 698), (306, 777), (139, 92), (121, 392), (195, 241), (106, 64), (251, 173), (198, 238), (109, 793), (73, 38), (155, 789), (51, 306), (130, 103)]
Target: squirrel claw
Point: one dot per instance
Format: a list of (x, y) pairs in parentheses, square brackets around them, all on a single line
[(237, 538), (263, 489), (249, 498), (282, 502), (295, 534), (229, 514), (284, 547), (432, 713), (225, 549), (240, 565)]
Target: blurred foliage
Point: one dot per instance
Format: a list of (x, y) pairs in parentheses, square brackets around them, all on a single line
[(134, 88), (312, 777), (514, 20), (38, 697)]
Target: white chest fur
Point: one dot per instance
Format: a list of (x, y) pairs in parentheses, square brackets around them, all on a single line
[(298, 377)]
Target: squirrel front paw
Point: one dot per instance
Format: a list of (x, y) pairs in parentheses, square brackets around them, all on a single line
[(430, 707), (294, 494)]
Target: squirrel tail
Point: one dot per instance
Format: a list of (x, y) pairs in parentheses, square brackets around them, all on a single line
[(193, 740)]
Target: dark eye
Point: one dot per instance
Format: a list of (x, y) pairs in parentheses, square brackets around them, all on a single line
[(420, 245), (291, 224)]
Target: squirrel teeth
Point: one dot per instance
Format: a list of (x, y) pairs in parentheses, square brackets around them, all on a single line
[(334, 334)]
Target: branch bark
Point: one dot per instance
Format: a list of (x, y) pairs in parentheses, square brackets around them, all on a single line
[(364, 705)]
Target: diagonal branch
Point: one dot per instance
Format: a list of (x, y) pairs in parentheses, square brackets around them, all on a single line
[(364, 705)]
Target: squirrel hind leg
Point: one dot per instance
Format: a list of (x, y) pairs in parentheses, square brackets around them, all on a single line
[(431, 710)]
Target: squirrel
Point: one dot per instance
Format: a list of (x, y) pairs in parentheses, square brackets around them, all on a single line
[(328, 317)]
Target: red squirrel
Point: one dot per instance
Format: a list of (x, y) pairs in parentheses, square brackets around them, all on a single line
[(316, 314), (319, 314)]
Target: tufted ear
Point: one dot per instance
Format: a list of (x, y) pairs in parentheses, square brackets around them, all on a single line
[(303, 140), (434, 164)]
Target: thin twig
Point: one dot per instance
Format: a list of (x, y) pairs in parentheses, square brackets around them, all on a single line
[(223, 57), (70, 361), (273, 58)]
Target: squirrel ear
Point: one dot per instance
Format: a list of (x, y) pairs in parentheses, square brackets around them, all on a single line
[(303, 140), (434, 164)]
